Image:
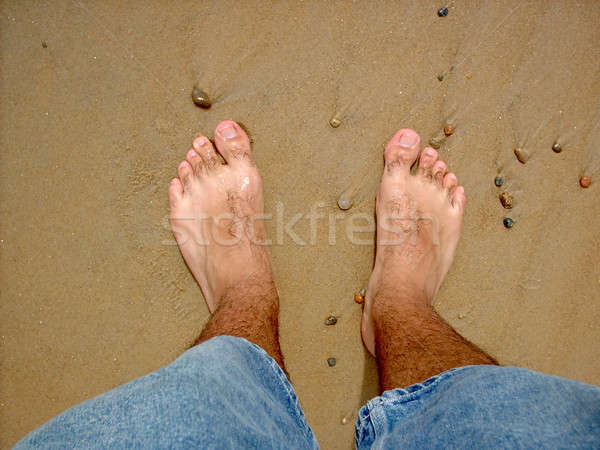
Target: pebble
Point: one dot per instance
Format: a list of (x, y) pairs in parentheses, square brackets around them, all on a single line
[(359, 298), (331, 362), (44, 44), (435, 143), (335, 122), (507, 200), (508, 222), (345, 420), (498, 181), (443, 12), (440, 77), (331, 320), (468, 76), (449, 130), (585, 181), (557, 148), (521, 155), (344, 204), (200, 98)]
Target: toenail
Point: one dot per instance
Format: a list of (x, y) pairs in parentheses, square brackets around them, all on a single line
[(228, 132), (200, 142), (407, 140)]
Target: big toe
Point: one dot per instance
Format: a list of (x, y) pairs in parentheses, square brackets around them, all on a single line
[(233, 143), (402, 150)]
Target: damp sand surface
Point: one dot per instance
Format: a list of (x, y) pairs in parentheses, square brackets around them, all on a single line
[(97, 113)]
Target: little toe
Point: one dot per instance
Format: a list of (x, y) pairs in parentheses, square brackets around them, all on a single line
[(439, 171), (207, 152), (449, 183), (185, 173), (459, 199), (428, 158), (175, 191), (402, 150), (233, 143)]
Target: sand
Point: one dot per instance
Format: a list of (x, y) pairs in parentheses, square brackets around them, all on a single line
[(95, 294)]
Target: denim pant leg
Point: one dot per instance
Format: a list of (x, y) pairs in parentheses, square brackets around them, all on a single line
[(483, 407), (224, 393)]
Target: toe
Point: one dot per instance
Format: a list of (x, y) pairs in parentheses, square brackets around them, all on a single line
[(175, 191), (450, 182), (402, 150), (459, 199), (233, 143), (195, 161), (439, 171), (428, 158), (205, 149), (185, 173)]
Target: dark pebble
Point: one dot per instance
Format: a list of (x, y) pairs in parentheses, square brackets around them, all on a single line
[(440, 77), (557, 148), (44, 44), (508, 222), (332, 362), (200, 98), (443, 12), (498, 181), (331, 320)]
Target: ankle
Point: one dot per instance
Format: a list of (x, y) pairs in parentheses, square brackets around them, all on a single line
[(260, 290)]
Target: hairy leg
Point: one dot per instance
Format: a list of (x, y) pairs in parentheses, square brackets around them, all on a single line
[(217, 218), (419, 218)]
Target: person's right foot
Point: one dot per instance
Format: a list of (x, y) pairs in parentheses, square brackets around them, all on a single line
[(217, 215), (419, 219)]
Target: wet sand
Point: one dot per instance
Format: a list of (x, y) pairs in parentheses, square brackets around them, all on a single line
[(95, 294)]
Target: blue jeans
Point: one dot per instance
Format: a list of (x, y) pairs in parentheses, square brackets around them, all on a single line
[(228, 393)]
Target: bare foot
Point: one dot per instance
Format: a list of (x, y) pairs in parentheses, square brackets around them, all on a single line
[(216, 213), (418, 226)]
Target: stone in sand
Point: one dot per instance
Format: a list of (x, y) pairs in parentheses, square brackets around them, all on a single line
[(585, 181), (201, 98), (331, 320), (507, 200), (522, 155), (331, 362)]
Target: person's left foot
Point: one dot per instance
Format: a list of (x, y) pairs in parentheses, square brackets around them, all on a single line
[(216, 214)]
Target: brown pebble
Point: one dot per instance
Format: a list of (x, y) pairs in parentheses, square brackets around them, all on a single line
[(200, 98), (585, 181), (435, 143), (448, 130), (507, 200), (44, 44), (335, 122), (359, 298), (468, 76), (557, 148), (521, 155)]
